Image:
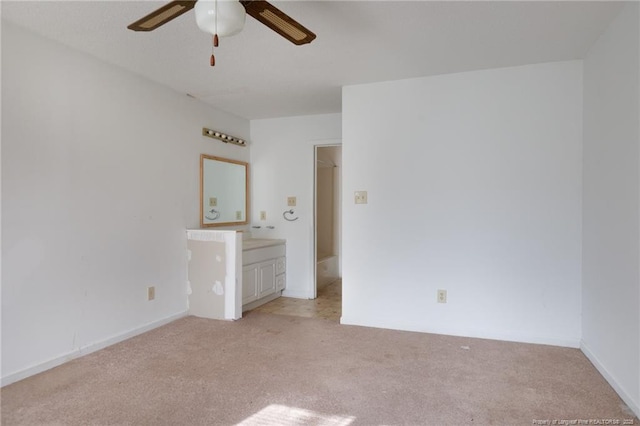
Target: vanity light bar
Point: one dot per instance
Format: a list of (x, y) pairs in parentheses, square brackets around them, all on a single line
[(223, 137)]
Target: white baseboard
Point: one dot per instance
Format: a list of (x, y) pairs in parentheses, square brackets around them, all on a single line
[(86, 350), (476, 334), (633, 405)]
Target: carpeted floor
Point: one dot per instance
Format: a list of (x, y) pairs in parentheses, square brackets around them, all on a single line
[(279, 370)]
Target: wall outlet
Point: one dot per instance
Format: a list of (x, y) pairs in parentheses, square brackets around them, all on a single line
[(238, 215), (263, 215), (442, 296), (360, 197), (213, 201), (291, 201), (151, 293)]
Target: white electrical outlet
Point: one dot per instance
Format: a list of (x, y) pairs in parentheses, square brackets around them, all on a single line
[(291, 201), (238, 215), (263, 215), (151, 293), (360, 197), (213, 202), (442, 296)]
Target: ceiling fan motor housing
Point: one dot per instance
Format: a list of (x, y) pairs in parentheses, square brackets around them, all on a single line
[(222, 17)]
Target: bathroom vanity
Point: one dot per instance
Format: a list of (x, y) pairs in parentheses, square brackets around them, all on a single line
[(228, 272), (214, 271), (228, 275), (263, 271)]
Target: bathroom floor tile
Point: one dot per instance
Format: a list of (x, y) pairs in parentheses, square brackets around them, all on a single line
[(327, 305)]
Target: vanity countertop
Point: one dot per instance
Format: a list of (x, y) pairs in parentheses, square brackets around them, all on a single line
[(255, 243)]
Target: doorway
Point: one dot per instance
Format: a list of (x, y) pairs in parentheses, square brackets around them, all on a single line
[(325, 300), (327, 223)]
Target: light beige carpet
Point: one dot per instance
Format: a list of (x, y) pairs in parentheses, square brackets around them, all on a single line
[(277, 370)]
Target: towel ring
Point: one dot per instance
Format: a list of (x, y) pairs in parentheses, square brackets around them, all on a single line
[(214, 211), (289, 212)]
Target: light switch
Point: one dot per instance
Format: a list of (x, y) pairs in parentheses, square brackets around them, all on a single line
[(213, 201), (361, 197), (291, 201)]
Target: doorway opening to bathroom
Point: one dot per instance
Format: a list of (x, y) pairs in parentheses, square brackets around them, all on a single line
[(328, 227)]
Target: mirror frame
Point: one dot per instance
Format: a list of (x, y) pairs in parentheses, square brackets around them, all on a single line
[(204, 157)]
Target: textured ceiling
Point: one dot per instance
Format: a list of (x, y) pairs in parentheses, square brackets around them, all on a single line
[(258, 74)]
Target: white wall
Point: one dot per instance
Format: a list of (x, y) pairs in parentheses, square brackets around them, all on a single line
[(611, 224), (474, 186), (282, 165), (100, 174), (337, 211)]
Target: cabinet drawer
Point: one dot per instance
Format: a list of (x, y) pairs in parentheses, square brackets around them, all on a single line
[(281, 265)]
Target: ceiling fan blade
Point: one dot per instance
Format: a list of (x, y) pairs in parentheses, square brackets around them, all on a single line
[(278, 21), (163, 15)]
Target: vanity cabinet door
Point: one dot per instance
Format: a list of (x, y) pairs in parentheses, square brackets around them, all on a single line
[(267, 279), (250, 283)]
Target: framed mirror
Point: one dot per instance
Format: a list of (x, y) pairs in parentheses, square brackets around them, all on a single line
[(224, 191)]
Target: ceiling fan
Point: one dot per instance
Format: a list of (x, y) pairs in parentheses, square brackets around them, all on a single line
[(226, 18)]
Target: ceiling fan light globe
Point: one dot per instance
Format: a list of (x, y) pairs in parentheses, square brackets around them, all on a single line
[(231, 17)]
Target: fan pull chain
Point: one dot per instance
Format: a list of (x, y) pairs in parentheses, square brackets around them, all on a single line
[(212, 61)]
